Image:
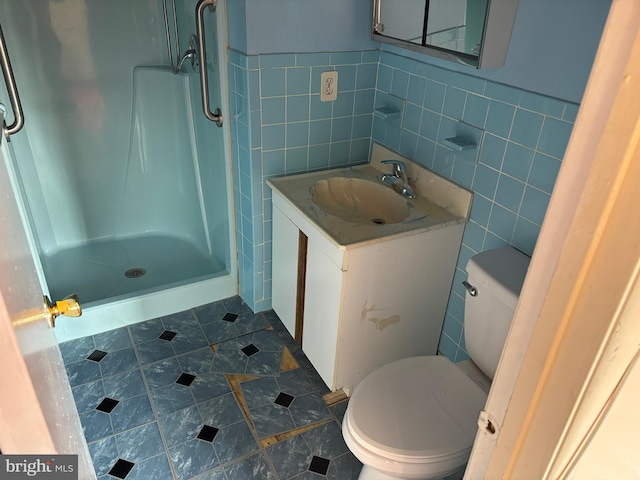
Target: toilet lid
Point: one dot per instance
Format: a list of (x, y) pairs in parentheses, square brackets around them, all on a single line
[(416, 408)]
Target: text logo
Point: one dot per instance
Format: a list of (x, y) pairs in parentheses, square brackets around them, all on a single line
[(50, 467)]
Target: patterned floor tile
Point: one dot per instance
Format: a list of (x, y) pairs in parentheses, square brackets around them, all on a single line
[(113, 340), (180, 321), (234, 441), (131, 412), (271, 416), (210, 313), (258, 353), (326, 441), (162, 373), (154, 350), (272, 419), (140, 443), (118, 361), (208, 385), (344, 467), (320, 451), (308, 409), (181, 426), (290, 457), (156, 468), (95, 425), (83, 371), (255, 466), (171, 398), (295, 382), (228, 319), (339, 410), (167, 336), (192, 458), (198, 361), (88, 395), (76, 350), (125, 385), (144, 331), (251, 322), (155, 401), (236, 305), (104, 454), (260, 392), (220, 411)]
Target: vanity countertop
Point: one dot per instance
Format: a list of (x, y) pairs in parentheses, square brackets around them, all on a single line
[(438, 203)]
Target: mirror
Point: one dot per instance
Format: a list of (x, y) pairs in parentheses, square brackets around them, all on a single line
[(473, 32)]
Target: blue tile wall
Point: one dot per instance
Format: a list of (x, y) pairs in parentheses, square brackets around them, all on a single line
[(511, 174), (280, 127)]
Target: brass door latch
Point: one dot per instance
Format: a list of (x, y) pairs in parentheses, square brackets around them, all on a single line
[(69, 307)]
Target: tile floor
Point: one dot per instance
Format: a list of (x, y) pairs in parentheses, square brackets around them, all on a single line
[(213, 393)]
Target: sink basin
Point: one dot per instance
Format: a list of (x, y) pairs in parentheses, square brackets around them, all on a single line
[(357, 200), (350, 206)]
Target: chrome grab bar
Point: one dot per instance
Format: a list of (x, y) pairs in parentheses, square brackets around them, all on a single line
[(7, 71), (215, 116)]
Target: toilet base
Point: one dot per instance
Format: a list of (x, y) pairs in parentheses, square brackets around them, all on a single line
[(370, 473)]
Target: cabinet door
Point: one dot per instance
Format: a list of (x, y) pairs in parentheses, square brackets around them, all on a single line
[(285, 269), (322, 311)]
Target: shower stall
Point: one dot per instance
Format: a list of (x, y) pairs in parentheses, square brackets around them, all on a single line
[(123, 175)]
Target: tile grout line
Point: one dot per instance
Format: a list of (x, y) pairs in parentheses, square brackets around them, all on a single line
[(153, 407)]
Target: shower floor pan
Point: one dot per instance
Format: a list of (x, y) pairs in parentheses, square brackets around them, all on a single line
[(114, 269)]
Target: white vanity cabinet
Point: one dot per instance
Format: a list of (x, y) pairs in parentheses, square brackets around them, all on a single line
[(364, 304)]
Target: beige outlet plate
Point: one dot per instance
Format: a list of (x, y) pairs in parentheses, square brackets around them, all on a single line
[(329, 86)]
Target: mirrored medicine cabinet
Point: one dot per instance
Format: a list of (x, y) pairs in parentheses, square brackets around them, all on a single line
[(470, 32)]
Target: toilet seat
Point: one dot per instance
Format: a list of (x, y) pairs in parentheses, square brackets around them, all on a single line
[(418, 410)]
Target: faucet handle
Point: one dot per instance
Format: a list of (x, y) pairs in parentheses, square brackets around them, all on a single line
[(398, 165), (399, 168)]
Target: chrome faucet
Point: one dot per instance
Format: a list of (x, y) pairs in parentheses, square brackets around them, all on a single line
[(191, 55), (397, 179)]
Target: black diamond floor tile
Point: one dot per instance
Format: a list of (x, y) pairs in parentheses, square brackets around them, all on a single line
[(250, 349), (107, 405), (97, 355), (284, 399), (230, 317), (186, 379), (167, 335), (121, 468), (319, 465), (208, 433)]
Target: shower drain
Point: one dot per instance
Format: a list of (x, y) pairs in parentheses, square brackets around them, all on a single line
[(135, 272)]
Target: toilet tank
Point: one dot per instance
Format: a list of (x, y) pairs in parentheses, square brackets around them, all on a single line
[(498, 276)]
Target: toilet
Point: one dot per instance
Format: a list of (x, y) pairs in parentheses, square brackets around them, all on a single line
[(417, 417)]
